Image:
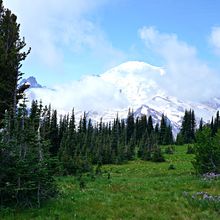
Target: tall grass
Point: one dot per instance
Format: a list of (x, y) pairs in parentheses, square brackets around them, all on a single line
[(137, 190)]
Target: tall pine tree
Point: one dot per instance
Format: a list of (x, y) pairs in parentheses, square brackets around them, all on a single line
[(11, 56)]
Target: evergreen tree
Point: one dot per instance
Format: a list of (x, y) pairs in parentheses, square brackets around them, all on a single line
[(212, 127), (150, 127), (162, 130), (215, 124), (26, 178), (46, 123), (193, 126), (187, 132), (141, 126), (53, 136), (200, 124), (207, 152), (157, 131), (11, 56), (130, 126)]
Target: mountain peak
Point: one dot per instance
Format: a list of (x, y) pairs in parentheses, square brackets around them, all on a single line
[(32, 81), (136, 67), (133, 84)]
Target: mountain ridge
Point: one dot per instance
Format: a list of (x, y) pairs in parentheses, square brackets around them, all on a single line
[(32, 81)]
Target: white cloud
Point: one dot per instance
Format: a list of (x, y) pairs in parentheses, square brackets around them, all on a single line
[(214, 39), (56, 28), (187, 76), (90, 93)]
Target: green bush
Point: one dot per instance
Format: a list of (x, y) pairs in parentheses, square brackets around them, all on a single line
[(171, 167), (190, 149), (207, 152), (157, 155), (169, 150)]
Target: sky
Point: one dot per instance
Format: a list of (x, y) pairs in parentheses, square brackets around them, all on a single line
[(74, 38)]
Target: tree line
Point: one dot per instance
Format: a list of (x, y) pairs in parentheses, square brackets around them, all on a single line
[(116, 142)]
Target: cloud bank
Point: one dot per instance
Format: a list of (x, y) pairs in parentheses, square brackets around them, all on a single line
[(59, 30), (90, 93), (187, 76)]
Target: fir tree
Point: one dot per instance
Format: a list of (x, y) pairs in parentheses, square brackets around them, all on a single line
[(26, 179), (53, 136), (201, 124), (11, 56), (187, 132), (150, 127), (207, 152), (130, 126)]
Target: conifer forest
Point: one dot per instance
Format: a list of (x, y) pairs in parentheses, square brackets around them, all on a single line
[(53, 166)]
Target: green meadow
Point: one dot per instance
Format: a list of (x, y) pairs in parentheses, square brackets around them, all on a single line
[(136, 190)]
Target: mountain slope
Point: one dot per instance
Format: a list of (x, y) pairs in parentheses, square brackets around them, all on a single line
[(135, 85)]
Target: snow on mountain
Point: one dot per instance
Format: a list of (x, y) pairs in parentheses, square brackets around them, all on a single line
[(213, 103), (140, 82), (137, 80), (32, 81), (135, 85)]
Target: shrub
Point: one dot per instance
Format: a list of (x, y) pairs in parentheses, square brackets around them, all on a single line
[(207, 152), (169, 150), (171, 167), (157, 155), (190, 149)]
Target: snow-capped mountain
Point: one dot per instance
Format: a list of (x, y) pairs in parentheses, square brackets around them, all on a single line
[(135, 85), (32, 81)]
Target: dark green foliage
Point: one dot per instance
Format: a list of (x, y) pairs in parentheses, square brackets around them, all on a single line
[(25, 166), (75, 146), (82, 183), (109, 175), (165, 132), (157, 155), (190, 149), (150, 127), (200, 124), (215, 124), (106, 143), (169, 150), (149, 149), (25, 178), (171, 167), (207, 152), (11, 56), (98, 170), (130, 126), (187, 132), (141, 126), (54, 134)]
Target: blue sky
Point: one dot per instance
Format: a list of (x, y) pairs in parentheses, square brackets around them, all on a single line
[(72, 38)]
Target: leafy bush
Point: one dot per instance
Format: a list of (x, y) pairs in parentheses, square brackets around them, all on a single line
[(157, 155), (169, 150), (171, 167), (207, 152), (190, 149)]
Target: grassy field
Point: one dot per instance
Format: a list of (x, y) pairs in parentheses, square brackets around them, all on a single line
[(137, 190)]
